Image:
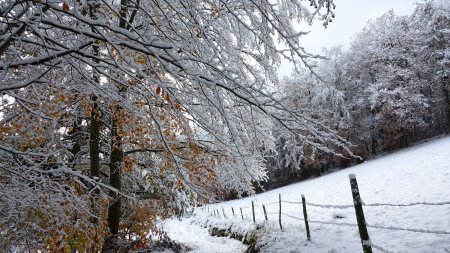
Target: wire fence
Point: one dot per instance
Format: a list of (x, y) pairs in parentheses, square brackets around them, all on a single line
[(417, 230), (358, 204), (374, 204)]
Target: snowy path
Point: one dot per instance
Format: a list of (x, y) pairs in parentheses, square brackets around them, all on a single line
[(198, 238)]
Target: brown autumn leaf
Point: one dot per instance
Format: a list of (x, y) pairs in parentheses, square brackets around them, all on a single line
[(128, 164), (65, 7), (158, 90)]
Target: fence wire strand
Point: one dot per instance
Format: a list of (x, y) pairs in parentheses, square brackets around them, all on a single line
[(364, 204), (268, 204), (291, 202), (375, 204), (392, 228), (330, 206), (410, 204), (416, 230)]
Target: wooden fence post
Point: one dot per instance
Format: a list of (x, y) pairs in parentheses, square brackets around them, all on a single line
[(305, 216), (242, 216), (253, 211), (265, 213), (223, 211), (232, 211), (279, 215), (365, 240)]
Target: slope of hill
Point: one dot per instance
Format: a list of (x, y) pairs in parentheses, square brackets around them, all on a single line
[(407, 208)]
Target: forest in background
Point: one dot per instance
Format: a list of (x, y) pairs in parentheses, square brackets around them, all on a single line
[(387, 91), (115, 114)]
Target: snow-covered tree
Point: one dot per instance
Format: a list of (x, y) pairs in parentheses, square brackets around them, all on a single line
[(185, 85), (387, 91), (429, 24), (382, 66), (317, 96)]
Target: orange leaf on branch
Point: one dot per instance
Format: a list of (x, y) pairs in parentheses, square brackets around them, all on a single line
[(128, 164), (177, 106), (65, 7)]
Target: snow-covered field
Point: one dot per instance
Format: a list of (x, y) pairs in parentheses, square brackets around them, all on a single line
[(418, 174)]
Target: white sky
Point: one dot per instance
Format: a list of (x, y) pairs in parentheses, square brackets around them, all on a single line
[(351, 17)]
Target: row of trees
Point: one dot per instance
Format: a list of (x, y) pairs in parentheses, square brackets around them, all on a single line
[(389, 90), (114, 113)]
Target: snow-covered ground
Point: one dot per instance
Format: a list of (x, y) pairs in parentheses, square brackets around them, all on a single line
[(198, 239), (418, 174)]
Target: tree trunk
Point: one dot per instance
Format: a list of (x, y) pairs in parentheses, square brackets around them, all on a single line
[(446, 88), (116, 160), (94, 133), (373, 134), (114, 180), (114, 210)]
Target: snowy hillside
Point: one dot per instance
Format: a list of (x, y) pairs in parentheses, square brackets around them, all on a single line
[(417, 175)]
